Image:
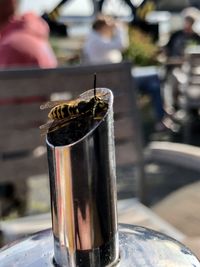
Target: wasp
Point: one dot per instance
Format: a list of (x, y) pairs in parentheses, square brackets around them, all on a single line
[(62, 111)]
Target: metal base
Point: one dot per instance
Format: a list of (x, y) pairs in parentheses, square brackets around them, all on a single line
[(139, 247)]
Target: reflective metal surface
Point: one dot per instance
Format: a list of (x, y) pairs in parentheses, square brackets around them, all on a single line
[(139, 247), (83, 194)]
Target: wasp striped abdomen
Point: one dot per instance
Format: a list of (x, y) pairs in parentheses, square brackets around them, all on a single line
[(63, 111), (58, 112)]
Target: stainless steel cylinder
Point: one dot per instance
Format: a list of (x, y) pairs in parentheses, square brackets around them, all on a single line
[(83, 194)]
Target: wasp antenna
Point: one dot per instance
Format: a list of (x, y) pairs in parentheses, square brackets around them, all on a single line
[(95, 84)]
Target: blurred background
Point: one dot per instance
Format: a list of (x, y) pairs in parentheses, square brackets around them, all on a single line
[(173, 188)]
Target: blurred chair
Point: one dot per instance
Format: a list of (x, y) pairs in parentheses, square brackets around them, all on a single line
[(181, 207), (180, 161), (181, 155), (187, 88)]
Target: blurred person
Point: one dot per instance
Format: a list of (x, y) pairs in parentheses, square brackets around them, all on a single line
[(23, 39), (148, 82), (180, 39), (106, 41), (105, 44), (174, 53)]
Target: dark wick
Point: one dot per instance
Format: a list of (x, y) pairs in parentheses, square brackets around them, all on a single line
[(95, 84)]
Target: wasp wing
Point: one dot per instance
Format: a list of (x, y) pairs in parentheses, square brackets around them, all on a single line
[(53, 125), (45, 127)]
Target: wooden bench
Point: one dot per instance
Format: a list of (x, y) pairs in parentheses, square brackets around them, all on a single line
[(21, 94)]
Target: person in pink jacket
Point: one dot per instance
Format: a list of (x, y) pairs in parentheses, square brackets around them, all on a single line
[(23, 39)]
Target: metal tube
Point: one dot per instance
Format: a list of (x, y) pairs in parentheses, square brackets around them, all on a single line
[(83, 195)]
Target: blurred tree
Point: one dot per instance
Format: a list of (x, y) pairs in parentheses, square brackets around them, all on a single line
[(141, 50)]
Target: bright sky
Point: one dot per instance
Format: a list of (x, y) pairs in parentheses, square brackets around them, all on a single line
[(75, 7)]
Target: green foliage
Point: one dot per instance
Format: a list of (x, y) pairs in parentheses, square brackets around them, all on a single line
[(141, 50)]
